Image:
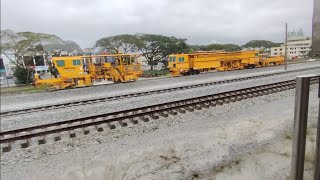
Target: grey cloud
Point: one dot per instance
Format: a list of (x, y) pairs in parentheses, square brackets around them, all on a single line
[(200, 21)]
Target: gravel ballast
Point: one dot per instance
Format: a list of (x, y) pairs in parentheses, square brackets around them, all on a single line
[(178, 147), (43, 117)]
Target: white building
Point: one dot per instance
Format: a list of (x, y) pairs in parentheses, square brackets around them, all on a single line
[(38, 62), (297, 46)]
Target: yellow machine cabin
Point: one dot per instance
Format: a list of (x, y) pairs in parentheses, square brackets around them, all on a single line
[(71, 73)]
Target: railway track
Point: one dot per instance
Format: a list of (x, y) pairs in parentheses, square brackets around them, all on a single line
[(122, 118), (104, 99)]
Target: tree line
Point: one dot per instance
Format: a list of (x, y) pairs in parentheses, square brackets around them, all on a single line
[(155, 48)]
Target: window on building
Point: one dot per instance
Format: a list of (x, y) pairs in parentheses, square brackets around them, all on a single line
[(76, 62), (28, 60), (60, 63), (39, 60)]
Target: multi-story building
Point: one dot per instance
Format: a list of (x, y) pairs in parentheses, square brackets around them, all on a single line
[(37, 61), (297, 46)]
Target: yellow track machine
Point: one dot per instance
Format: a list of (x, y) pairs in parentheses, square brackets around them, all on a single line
[(117, 67), (186, 64), (80, 71)]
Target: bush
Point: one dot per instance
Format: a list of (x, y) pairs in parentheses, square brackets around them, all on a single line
[(155, 73), (23, 75)]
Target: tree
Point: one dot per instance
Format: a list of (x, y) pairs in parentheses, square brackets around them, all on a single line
[(210, 47), (19, 44), (261, 43), (156, 48), (125, 43), (24, 75)]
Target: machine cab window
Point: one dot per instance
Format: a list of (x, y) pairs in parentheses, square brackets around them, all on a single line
[(76, 62), (174, 59), (170, 59), (111, 60), (60, 63)]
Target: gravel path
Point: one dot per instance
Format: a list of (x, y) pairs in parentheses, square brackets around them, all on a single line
[(21, 101), (178, 147), (43, 117)]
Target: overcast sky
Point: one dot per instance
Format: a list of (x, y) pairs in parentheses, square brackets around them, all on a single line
[(199, 21)]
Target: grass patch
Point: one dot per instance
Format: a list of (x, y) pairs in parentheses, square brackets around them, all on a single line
[(310, 154), (286, 154), (311, 131), (301, 60), (312, 139), (219, 169), (22, 89), (156, 73), (227, 167), (288, 135), (43, 151)]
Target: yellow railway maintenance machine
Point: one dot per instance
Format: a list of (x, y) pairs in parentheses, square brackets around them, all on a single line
[(80, 71), (117, 67), (186, 64), (71, 73)]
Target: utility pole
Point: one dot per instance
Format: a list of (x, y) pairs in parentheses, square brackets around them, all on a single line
[(316, 50), (316, 28), (285, 50)]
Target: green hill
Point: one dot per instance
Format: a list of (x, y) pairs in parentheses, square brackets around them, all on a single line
[(261, 43)]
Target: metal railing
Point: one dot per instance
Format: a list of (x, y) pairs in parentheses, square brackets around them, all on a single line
[(300, 129)]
